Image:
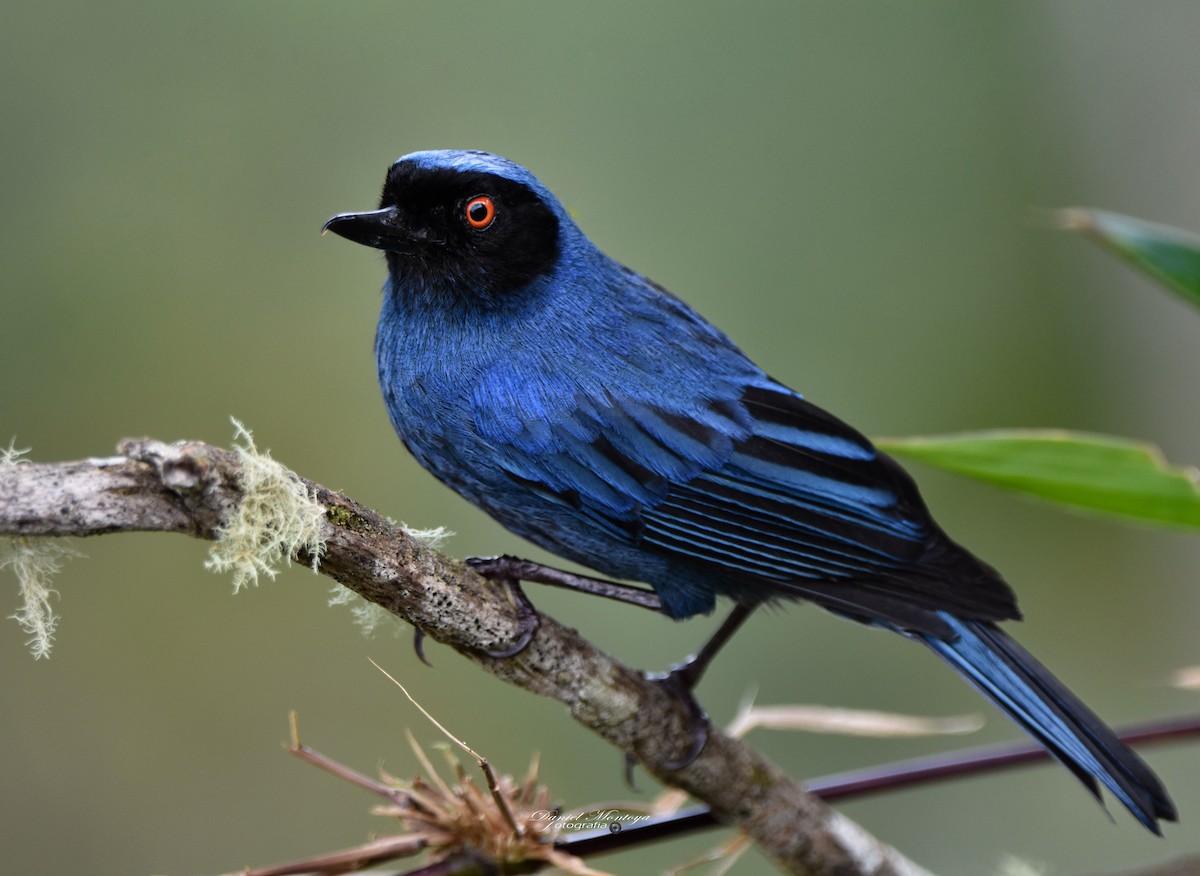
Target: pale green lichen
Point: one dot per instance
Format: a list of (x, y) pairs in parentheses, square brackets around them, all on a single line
[(369, 617), (431, 538), (35, 562), (277, 517), (10, 455)]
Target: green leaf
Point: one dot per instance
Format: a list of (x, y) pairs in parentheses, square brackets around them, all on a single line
[(1091, 472), (1167, 254)]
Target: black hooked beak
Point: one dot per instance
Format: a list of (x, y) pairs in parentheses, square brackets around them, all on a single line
[(382, 229)]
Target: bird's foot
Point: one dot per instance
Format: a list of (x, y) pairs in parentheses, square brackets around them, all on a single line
[(679, 680), (528, 622), (682, 679)]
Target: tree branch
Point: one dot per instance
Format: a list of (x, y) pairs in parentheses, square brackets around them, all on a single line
[(195, 488)]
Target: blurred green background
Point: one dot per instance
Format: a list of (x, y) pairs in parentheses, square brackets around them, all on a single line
[(845, 188)]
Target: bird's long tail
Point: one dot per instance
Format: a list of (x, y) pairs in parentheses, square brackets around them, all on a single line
[(1026, 691)]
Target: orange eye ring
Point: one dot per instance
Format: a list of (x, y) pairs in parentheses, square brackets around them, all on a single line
[(480, 212)]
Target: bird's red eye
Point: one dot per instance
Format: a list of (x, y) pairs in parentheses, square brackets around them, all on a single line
[(481, 212)]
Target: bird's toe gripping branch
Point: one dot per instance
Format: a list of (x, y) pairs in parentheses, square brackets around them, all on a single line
[(528, 622), (679, 683)]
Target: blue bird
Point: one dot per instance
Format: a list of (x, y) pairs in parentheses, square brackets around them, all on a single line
[(589, 410)]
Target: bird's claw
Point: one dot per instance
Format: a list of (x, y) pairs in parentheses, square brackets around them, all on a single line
[(419, 646)]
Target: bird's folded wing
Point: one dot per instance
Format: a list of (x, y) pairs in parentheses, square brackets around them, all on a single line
[(762, 486)]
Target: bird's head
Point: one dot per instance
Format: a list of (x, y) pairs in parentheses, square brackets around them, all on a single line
[(461, 223)]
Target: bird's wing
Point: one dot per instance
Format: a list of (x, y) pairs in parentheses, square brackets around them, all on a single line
[(761, 489), (807, 505)]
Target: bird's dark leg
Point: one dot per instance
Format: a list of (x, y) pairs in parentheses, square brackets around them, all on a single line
[(682, 680), (510, 571), (514, 568), (688, 673)]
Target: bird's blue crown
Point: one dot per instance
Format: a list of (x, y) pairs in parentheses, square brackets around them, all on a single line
[(478, 161)]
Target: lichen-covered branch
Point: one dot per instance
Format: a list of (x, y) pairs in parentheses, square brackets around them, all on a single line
[(198, 489)]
